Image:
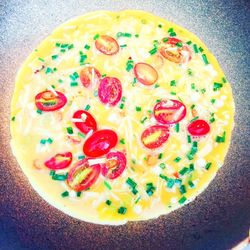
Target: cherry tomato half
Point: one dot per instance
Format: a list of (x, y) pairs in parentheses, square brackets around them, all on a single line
[(88, 121), (107, 45), (115, 165), (110, 90), (169, 111), (82, 175), (48, 101), (174, 53), (155, 136), (198, 128), (59, 161), (100, 143), (145, 73), (88, 75)]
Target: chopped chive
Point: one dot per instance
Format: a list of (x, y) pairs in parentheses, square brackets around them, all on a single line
[(177, 127), (173, 83), (170, 183), (54, 57), (107, 185), (165, 39), (81, 135), (52, 172), (87, 107), (122, 141), (78, 194), (188, 42), (73, 84), (213, 101), (160, 156), (193, 105), (41, 59), (132, 184), (182, 199), (150, 189), (194, 119), (138, 109), (191, 184), (136, 201), (162, 165), (189, 138), (183, 171), (13, 118), (121, 106), (108, 202), (65, 194), (39, 111), (143, 120), (217, 86), (87, 47), (177, 159), (204, 57), (201, 49), (179, 44), (122, 210), (96, 36), (208, 165), (164, 177), (182, 189), (221, 139), (195, 48), (123, 45), (59, 177), (69, 130), (153, 51)]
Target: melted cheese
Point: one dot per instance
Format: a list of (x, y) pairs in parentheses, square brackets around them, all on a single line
[(30, 127)]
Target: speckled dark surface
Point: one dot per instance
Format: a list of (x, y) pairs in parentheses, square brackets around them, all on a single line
[(217, 219)]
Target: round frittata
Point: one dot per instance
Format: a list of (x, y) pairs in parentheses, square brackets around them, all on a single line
[(120, 116)]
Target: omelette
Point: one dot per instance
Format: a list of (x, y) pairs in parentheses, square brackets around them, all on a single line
[(120, 116)]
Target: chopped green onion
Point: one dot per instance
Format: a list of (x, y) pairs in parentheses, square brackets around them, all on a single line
[(133, 161), (13, 118), (221, 139), (58, 44), (190, 72), (80, 157), (87, 47), (156, 86), (150, 188), (217, 86), (194, 119), (122, 210), (164, 177), (183, 171), (189, 138), (201, 49), (162, 165), (191, 167), (179, 44), (123, 45), (193, 105), (177, 127), (43, 141), (87, 107), (191, 184), (170, 30), (212, 119), (170, 183), (65, 194), (173, 83), (192, 86), (60, 80), (203, 90), (188, 42), (129, 65), (62, 50), (204, 57), (96, 36), (173, 93), (74, 84), (121, 105), (41, 59), (153, 51), (59, 177), (52, 172), (178, 181), (208, 165), (165, 39), (177, 159), (74, 76), (69, 130), (224, 80), (159, 25), (131, 183), (39, 111), (136, 201), (136, 35), (108, 202), (138, 109), (49, 140), (121, 34), (144, 119), (195, 48), (71, 46), (49, 70), (172, 34), (182, 189), (122, 141), (160, 156), (81, 135), (213, 101), (107, 185), (182, 199), (78, 194), (54, 57)]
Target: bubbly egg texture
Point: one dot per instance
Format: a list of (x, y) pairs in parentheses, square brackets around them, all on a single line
[(120, 116)]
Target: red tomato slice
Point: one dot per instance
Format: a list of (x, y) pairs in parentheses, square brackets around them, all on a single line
[(88, 121), (155, 136), (145, 73), (173, 53), (48, 101), (88, 75), (115, 165), (82, 175), (100, 143), (107, 45), (110, 90), (198, 128), (59, 161), (169, 111)]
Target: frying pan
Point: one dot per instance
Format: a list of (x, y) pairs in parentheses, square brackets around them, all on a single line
[(218, 219)]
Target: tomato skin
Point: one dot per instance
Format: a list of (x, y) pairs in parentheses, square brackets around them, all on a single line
[(59, 161), (166, 50), (90, 178), (49, 97), (198, 128), (160, 139), (145, 73), (118, 168), (86, 76), (165, 111), (88, 124), (100, 143), (110, 90), (107, 45)]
